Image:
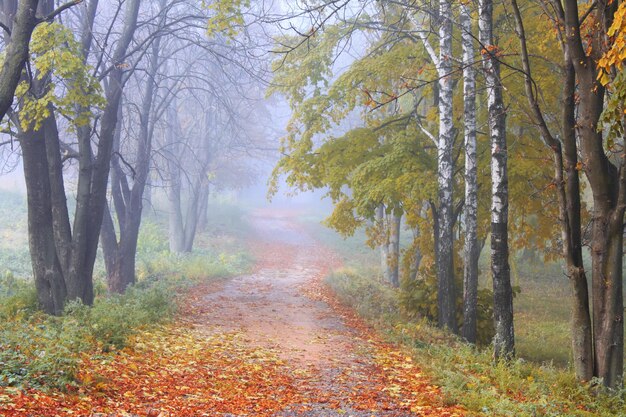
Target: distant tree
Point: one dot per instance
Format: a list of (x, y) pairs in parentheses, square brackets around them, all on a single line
[(128, 194), (208, 130)]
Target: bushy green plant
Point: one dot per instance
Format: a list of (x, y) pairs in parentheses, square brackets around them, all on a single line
[(40, 352), (152, 238), (193, 266), (17, 297), (44, 351), (371, 298), (418, 299)]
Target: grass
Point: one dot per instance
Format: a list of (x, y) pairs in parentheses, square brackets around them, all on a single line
[(467, 374), (41, 351), (542, 307)]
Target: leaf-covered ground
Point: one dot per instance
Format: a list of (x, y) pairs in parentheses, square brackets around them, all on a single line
[(272, 343)]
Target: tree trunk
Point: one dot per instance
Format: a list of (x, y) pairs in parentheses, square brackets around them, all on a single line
[(394, 250), (22, 21), (417, 256), (446, 299), (504, 340), (582, 340), (129, 209), (49, 280), (608, 186), (176, 218), (384, 244), (565, 158), (49, 230), (191, 218), (203, 207), (470, 271)]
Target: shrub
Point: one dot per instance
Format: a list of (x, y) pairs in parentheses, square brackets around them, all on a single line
[(418, 299), (44, 351), (372, 299), (39, 352), (17, 297)]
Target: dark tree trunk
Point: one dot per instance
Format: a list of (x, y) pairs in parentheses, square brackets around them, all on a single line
[(74, 247), (565, 159), (21, 20), (129, 201), (582, 340), (608, 186), (49, 280), (49, 231)]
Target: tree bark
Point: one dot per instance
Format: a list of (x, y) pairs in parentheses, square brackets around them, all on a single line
[(49, 230), (446, 298), (384, 244), (470, 271), (444, 223), (49, 279), (504, 340), (21, 20), (608, 186), (129, 210), (565, 159), (394, 250)]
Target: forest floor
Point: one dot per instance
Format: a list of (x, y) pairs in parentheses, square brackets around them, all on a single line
[(274, 342)]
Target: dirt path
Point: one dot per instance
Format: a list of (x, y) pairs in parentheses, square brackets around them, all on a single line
[(340, 367), (274, 343)]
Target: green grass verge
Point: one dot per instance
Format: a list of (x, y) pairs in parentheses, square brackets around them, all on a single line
[(41, 351), (467, 374)]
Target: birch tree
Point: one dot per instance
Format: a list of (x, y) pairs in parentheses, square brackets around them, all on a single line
[(471, 248), (504, 340), (445, 162)]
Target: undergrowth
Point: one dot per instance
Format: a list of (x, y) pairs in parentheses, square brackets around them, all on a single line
[(42, 351), (467, 374)]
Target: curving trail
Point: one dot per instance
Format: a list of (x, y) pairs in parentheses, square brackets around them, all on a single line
[(271, 343), (339, 366)]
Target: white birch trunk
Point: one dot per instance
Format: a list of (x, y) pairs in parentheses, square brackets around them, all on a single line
[(470, 273), (394, 250), (504, 342), (445, 163), (384, 246)]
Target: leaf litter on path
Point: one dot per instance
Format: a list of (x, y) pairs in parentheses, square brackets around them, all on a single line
[(273, 343)]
